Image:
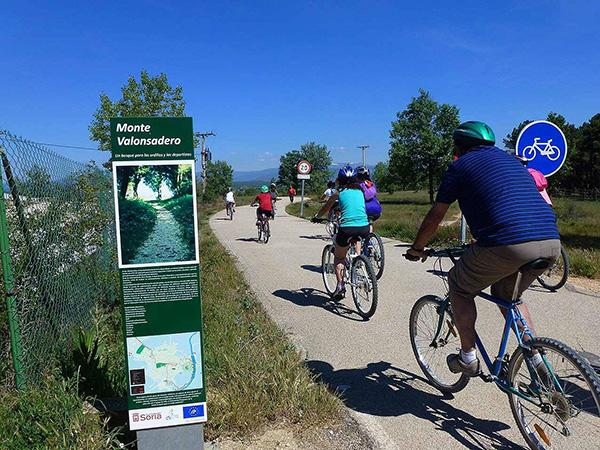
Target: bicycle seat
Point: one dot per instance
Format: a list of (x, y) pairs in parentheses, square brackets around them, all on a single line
[(540, 263)]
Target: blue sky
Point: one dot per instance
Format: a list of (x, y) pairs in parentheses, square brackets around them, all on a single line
[(270, 76)]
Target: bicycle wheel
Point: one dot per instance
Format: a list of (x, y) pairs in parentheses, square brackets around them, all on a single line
[(569, 415), (555, 276), (330, 227), (376, 253), (556, 153), (230, 212), (529, 153), (266, 231), (259, 226), (431, 355), (363, 285), (328, 269)]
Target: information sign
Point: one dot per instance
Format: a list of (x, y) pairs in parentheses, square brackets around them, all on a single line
[(153, 176), (303, 177), (544, 146), (304, 167)]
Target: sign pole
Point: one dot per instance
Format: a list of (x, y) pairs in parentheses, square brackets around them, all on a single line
[(302, 200), (463, 229)]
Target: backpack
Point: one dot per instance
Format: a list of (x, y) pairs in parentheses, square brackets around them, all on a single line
[(369, 190)]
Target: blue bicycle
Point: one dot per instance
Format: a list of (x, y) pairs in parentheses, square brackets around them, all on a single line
[(556, 404)]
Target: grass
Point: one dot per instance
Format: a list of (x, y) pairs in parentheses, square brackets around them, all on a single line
[(255, 376), (578, 224), (52, 415)]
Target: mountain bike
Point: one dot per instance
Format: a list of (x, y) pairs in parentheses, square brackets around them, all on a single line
[(333, 223), (556, 275), (372, 248), (263, 227), (555, 404), (358, 273), (230, 210), (549, 150)]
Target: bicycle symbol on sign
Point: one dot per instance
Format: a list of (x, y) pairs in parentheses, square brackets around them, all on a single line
[(545, 149)]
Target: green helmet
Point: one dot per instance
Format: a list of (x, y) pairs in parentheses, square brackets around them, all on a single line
[(264, 188), (470, 134)]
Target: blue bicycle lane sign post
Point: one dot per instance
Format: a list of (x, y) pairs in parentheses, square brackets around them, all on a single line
[(544, 146)]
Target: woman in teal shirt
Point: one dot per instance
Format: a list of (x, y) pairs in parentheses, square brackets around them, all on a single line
[(353, 221)]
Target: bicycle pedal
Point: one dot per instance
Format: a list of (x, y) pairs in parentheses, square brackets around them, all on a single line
[(486, 378)]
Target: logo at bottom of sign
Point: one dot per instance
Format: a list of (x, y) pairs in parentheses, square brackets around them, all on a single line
[(167, 416)]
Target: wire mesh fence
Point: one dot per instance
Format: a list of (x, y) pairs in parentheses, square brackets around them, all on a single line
[(57, 242)]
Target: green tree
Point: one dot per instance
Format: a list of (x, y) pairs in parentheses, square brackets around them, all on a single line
[(150, 97), (421, 141), (588, 168), (382, 178), (219, 176), (511, 138), (319, 158)]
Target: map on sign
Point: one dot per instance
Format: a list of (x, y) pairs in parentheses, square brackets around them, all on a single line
[(164, 363)]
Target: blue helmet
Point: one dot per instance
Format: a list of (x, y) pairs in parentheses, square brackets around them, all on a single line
[(347, 174)]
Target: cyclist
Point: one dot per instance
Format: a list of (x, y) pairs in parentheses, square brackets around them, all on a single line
[(539, 178), (510, 221), (265, 203), (353, 222), (372, 204), (273, 193), (328, 192), (335, 209), (229, 199), (291, 192)]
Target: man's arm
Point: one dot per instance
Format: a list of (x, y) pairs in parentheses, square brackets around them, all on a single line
[(327, 206), (428, 228)]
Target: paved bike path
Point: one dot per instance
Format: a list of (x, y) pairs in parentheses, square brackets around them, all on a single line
[(372, 362)]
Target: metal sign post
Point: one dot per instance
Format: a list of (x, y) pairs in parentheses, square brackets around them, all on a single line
[(304, 168), (302, 200), (463, 229)]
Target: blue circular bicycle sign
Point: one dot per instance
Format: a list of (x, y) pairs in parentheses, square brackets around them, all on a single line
[(544, 146)]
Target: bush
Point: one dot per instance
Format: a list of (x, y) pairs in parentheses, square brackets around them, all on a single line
[(136, 219)]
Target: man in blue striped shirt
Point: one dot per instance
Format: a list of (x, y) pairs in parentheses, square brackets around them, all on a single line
[(511, 222)]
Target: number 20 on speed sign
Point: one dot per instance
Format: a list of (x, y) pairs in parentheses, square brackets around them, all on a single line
[(304, 167)]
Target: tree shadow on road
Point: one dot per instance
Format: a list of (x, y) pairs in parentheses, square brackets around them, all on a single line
[(314, 297), (381, 389)]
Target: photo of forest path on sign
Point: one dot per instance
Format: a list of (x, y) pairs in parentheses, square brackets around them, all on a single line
[(156, 213), (165, 243)]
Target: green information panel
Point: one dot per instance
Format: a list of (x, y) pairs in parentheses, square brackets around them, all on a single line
[(157, 238)]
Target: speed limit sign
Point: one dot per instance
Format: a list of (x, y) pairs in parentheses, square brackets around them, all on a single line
[(304, 167)]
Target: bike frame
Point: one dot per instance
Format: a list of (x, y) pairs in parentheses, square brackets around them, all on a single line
[(513, 318)]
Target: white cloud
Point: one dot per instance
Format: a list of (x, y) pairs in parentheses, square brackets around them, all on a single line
[(234, 153)]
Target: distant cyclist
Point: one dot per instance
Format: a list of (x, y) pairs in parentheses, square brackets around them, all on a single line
[(370, 192), (229, 200), (353, 221), (512, 224), (328, 192), (291, 192)]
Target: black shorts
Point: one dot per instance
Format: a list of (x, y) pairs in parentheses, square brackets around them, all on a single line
[(373, 217), (265, 212), (344, 234)]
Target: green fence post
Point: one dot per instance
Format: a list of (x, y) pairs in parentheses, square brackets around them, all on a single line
[(9, 286)]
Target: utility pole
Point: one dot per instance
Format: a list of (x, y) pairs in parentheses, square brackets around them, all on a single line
[(363, 147), (203, 155)]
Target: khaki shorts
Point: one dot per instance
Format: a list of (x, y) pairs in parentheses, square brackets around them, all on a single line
[(480, 267)]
